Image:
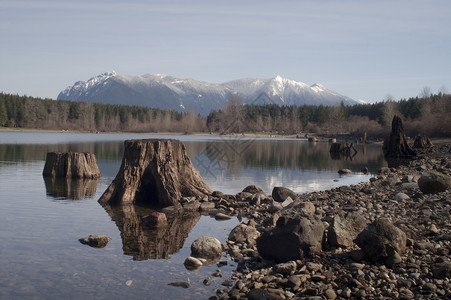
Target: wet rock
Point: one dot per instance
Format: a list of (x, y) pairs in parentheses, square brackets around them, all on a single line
[(192, 263), (253, 189), (381, 239), (206, 247), (155, 220), (183, 284), (345, 228), (221, 216), (434, 182), (95, 240), (291, 239), (280, 194)]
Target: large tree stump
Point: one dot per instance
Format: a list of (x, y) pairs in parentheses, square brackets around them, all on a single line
[(156, 172), (422, 141), (71, 165), (396, 145)]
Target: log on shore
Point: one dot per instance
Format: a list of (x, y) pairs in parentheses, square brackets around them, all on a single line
[(155, 172), (71, 165)]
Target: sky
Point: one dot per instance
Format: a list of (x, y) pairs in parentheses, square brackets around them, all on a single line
[(366, 50)]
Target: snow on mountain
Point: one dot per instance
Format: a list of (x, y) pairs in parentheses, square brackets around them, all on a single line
[(164, 91)]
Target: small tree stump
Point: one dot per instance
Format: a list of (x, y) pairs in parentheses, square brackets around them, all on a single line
[(422, 141), (71, 165), (156, 172), (396, 145)]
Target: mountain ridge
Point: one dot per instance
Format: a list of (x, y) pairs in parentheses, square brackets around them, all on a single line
[(165, 91)]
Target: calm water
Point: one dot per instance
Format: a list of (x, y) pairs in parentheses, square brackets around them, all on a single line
[(41, 221)]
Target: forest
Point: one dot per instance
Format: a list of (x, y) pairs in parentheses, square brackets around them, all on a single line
[(427, 115)]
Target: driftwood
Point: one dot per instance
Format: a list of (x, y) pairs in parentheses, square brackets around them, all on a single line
[(155, 172), (71, 165), (345, 149), (395, 146)]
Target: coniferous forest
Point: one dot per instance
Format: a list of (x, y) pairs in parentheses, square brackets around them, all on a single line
[(426, 115)]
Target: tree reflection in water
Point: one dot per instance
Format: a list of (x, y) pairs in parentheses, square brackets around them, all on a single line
[(143, 243)]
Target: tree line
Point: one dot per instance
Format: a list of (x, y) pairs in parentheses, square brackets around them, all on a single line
[(428, 115)]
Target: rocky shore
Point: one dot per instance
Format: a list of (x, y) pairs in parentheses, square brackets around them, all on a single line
[(389, 238)]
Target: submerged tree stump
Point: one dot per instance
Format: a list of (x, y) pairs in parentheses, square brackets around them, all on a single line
[(71, 165), (156, 172), (396, 145)]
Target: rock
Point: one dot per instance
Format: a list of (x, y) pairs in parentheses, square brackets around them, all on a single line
[(442, 270), (156, 172), (401, 197), (243, 233), (433, 182), (206, 206), (291, 239), (344, 171), (206, 247), (155, 220), (192, 263), (182, 284), (287, 202), (395, 146), (253, 189), (345, 228), (259, 294), (287, 268), (381, 239), (95, 240), (280, 194), (221, 216), (330, 294), (422, 141), (71, 165)]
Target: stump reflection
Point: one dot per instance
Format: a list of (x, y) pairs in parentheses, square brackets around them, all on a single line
[(71, 188), (144, 243)]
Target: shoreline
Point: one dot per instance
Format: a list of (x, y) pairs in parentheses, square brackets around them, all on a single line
[(341, 271)]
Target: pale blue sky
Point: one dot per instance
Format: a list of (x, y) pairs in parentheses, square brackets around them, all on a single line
[(361, 49)]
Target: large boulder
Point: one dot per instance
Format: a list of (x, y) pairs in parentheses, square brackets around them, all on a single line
[(434, 182), (280, 194), (243, 233), (395, 146), (291, 239), (206, 247), (345, 228), (71, 165), (155, 172), (381, 240)]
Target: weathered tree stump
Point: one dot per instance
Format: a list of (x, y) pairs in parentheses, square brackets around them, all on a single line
[(155, 172), (396, 145), (422, 141), (71, 165)]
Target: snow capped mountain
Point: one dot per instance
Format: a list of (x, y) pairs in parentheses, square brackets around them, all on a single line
[(164, 91)]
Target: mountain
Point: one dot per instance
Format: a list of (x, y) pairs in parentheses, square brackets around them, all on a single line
[(164, 91)]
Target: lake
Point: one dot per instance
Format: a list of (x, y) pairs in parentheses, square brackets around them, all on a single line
[(42, 220)]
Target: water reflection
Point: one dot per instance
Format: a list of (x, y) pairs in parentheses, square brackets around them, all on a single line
[(70, 188), (143, 243)]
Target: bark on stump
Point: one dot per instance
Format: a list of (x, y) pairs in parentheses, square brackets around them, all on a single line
[(156, 172), (71, 165), (396, 145)]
